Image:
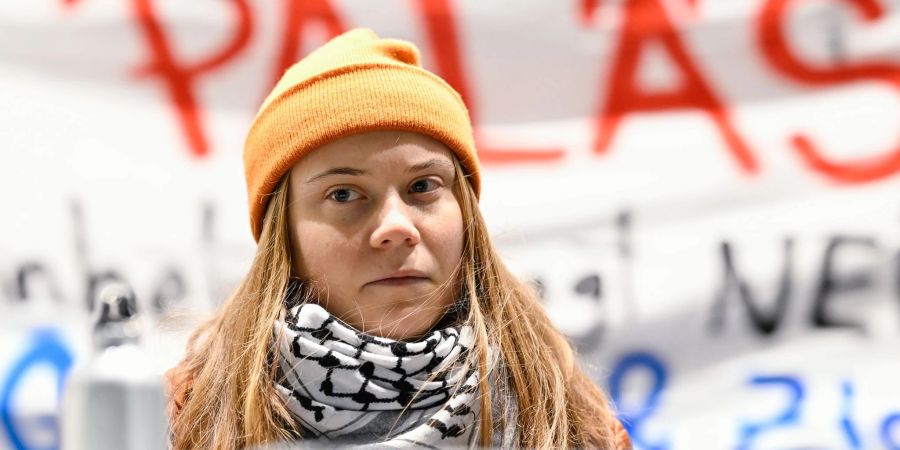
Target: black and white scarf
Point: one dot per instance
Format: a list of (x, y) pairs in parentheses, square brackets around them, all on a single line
[(347, 387)]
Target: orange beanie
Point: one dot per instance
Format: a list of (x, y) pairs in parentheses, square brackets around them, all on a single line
[(354, 83)]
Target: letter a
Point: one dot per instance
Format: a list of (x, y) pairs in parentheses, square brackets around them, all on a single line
[(645, 21)]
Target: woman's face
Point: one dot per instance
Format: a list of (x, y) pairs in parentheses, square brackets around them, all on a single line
[(376, 226)]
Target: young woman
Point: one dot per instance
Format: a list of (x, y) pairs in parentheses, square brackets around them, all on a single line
[(376, 310)]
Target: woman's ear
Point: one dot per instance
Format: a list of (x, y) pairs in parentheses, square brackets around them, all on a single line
[(177, 384)]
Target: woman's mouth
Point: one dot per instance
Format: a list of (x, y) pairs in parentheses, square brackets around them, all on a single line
[(399, 281)]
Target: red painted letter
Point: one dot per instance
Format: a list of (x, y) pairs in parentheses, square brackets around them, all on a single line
[(774, 45), (179, 76), (645, 21), (297, 13), (439, 24)]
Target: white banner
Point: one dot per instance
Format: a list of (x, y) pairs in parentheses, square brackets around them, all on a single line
[(706, 192)]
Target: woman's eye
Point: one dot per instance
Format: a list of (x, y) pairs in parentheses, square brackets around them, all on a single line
[(424, 185), (343, 195)]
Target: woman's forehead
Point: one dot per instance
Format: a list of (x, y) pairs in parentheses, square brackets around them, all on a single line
[(377, 149)]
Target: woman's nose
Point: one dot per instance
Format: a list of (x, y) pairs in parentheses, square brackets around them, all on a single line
[(395, 226)]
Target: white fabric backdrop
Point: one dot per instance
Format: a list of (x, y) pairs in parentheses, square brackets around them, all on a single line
[(123, 124)]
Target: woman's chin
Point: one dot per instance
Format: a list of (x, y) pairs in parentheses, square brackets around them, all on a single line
[(403, 323)]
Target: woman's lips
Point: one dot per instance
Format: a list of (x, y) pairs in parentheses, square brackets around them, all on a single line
[(399, 281)]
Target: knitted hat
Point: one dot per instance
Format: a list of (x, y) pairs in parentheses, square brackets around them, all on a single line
[(354, 83)]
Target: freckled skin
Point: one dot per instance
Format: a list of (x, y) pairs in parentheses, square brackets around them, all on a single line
[(351, 230)]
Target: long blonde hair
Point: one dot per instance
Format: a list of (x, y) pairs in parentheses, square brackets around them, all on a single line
[(223, 391)]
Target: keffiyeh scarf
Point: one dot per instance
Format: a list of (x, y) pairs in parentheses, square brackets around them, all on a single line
[(347, 387)]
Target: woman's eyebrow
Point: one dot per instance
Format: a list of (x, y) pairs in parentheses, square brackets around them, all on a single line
[(337, 171), (435, 162)]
